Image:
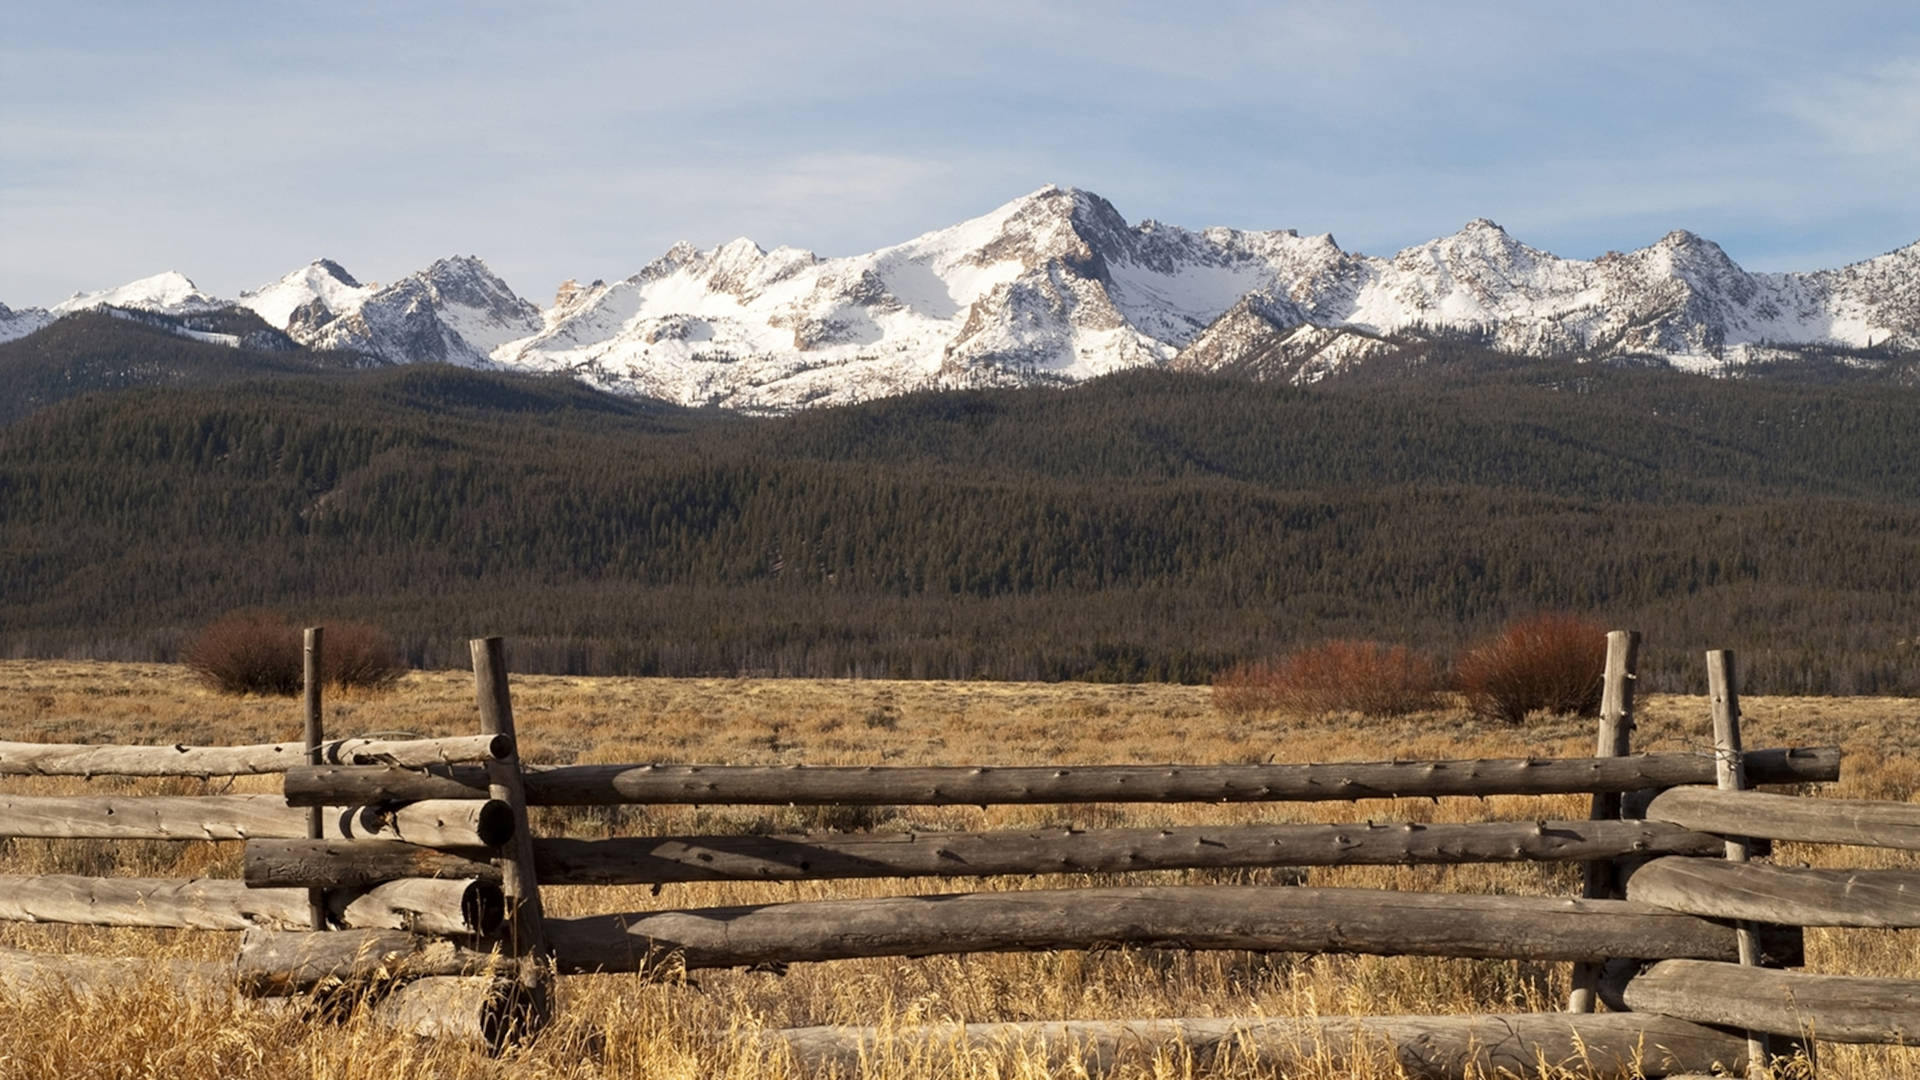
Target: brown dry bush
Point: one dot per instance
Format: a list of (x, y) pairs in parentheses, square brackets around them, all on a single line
[(1365, 677), (257, 652), (1545, 663)]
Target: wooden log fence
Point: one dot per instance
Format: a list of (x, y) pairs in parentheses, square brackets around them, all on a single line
[(647, 860), (428, 879), (1614, 1046), (860, 785), (428, 906), (84, 760), (433, 822), (1832, 1008), (1196, 917)]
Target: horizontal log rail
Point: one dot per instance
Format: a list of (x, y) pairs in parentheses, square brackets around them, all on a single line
[(81, 759), (434, 823), (422, 906), (1615, 1046), (1790, 817), (1205, 917), (1830, 1008), (1881, 899), (595, 785), (818, 856)]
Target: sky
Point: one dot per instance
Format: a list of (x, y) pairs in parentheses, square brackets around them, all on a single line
[(237, 141)]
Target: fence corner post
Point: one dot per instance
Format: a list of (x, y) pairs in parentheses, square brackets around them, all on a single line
[(525, 927), (1615, 739), (311, 673)]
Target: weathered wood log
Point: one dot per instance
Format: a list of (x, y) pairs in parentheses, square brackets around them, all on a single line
[(318, 915), (525, 930), (478, 1009), (643, 860), (1883, 899), (276, 963), (1830, 1008), (425, 906), (1730, 774), (816, 785), (1791, 817), (354, 863), (1428, 1047), (27, 972), (1599, 879), (83, 759), (434, 822), (1255, 918), (651, 860)]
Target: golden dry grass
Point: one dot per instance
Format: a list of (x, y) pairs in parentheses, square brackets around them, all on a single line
[(627, 1027)]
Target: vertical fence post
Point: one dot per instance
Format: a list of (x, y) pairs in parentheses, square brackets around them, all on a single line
[(1730, 772), (525, 925), (1601, 880), (310, 674)]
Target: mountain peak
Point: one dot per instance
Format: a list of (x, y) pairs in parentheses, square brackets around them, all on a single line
[(335, 271), (169, 292)]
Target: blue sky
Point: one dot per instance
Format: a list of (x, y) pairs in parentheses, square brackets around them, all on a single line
[(235, 141)]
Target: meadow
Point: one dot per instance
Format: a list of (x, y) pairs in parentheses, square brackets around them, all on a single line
[(705, 1025)]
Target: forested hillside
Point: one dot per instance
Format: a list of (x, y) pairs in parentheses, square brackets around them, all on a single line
[(1145, 525)]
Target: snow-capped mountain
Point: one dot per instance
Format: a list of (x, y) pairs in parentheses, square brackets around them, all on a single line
[(1057, 286), (323, 282), (19, 323), (454, 311), (171, 293)]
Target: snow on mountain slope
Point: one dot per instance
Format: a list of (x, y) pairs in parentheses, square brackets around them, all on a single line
[(455, 311), (18, 323), (170, 293), (1055, 287), (322, 281)]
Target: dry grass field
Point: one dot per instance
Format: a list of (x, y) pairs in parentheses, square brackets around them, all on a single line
[(703, 1027)]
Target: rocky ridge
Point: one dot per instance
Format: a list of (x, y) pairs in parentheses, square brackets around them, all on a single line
[(1057, 286)]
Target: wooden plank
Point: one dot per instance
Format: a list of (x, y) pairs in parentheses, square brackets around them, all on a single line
[(86, 760), (1791, 817), (1254, 918), (1829, 1008), (424, 906), (526, 923), (1613, 1045), (1599, 878), (1881, 899), (435, 823), (818, 785), (649, 860)]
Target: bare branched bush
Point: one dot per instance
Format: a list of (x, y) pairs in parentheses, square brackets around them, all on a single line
[(247, 652), (258, 652), (1365, 677), (1547, 663), (360, 655)]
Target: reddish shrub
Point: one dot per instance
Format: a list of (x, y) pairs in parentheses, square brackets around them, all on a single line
[(1366, 677), (359, 655), (1551, 663), (257, 652)]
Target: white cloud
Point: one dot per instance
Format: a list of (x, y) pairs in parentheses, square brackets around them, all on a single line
[(1875, 114)]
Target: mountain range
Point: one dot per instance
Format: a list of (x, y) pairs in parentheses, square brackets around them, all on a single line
[(1056, 287)]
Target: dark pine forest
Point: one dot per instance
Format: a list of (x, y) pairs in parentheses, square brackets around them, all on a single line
[(1142, 526)]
